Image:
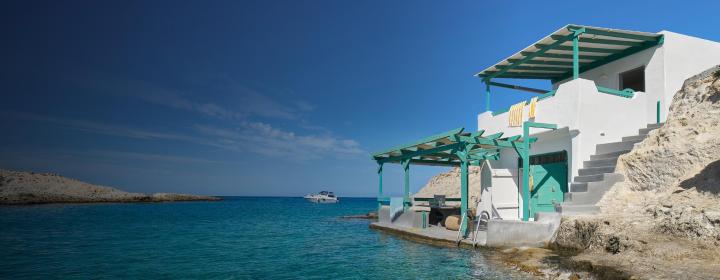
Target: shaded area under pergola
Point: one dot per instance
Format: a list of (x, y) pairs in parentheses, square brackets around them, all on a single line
[(458, 149)]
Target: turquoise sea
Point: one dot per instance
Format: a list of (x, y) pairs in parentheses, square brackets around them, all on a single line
[(238, 238)]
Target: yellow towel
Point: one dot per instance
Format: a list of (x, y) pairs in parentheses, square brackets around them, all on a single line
[(533, 104), (516, 114)]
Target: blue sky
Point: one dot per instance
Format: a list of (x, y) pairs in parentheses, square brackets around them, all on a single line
[(265, 97)]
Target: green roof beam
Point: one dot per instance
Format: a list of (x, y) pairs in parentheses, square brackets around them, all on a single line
[(603, 41), (564, 56), (590, 30), (582, 49), (522, 88), (543, 62), (616, 56), (531, 56), (433, 138), (536, 68), (417, 153)]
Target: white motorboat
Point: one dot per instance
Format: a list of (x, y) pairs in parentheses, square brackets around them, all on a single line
[(322, 197)]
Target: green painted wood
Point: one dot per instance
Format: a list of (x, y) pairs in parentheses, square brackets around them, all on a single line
[(576, 57), (464, 192), (380, 184), (406, 185), (603, 41), (433, 138), (550, 185), (526, 75), (657, 112), (543, 62), (417, 153), (525, 157), (627, 93), (613, 57), (582, 49), (522, 88), (487, 95), (565, 56), (531, 56), (530, 68), (616, 34)]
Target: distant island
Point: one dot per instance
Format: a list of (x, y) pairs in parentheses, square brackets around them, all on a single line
[(17, 187)]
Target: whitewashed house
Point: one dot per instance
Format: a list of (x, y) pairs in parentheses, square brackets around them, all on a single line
[(622, 87), (609, 89)]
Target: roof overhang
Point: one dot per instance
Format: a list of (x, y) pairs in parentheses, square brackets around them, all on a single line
[(551, 58)]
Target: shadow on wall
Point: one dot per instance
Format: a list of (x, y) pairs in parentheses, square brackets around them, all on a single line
[(708, 180)]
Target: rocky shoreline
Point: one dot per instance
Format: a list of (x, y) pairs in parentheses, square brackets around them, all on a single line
[(21, 188)]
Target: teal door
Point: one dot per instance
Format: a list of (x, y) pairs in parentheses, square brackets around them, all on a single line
[(549, 186), (548, 183)]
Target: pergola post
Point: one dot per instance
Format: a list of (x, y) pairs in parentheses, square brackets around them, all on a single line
[(487, 95), (380, 184), (576, 51), (406, 184), (525, 155), (464, 194)]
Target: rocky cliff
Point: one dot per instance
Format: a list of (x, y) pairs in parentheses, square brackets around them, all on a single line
[(30, 188), (667, 212)]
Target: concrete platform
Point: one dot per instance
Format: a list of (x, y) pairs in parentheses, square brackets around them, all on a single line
[(431, 235)]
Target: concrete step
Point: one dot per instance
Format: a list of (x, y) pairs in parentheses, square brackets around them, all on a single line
[(615, 147), (614, 155), (578, 187), (612, 161), (592, 196), (577, 210), (654, 125), (596, 170), (588, 178), (638, 138)]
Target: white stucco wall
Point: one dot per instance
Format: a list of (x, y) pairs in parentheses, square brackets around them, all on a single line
[(684, 56)]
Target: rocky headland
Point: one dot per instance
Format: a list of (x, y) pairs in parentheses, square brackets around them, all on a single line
[(17, 187), (663, 221)]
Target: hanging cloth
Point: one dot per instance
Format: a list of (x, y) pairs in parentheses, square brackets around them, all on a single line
[(516, 114), (533, 105)]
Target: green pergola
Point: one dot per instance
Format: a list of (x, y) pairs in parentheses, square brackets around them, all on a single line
[(458, 149), (566, 53)]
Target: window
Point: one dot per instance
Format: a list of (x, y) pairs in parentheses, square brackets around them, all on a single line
[(633, 79)]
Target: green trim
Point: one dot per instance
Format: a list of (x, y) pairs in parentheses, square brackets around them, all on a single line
[(487, 95), (524, 154), (535, 68), (616, 56), (433, 138), (380, 184), (406, 185), (566, 56), (657, 112), (531, 56), (603, 41), (522, 88), (590, 30), (583, 49), (627, 93), (540, 62)]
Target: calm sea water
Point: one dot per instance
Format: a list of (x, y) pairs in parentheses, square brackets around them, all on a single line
[(239, 238)]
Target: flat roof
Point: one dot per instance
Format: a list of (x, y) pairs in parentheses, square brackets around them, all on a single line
[(551, 58)]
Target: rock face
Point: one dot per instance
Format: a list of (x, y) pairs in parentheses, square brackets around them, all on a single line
[(448, 184), (30, 188), (667, 212), (685, 151)]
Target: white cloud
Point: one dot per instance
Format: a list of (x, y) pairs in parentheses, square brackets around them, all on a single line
[(262, 138)]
